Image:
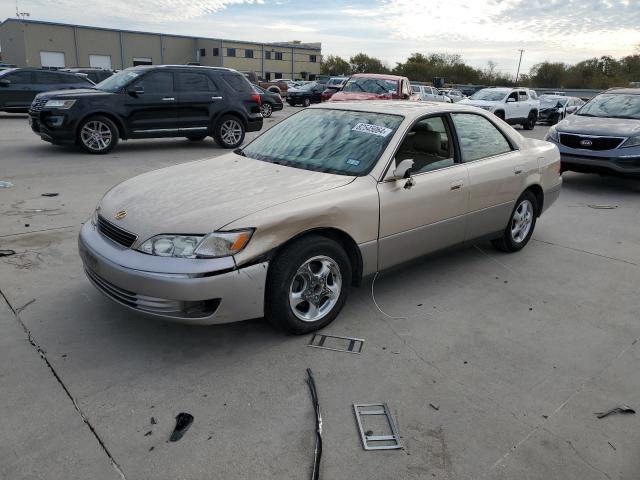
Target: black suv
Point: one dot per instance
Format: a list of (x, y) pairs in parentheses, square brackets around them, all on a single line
[(18, 86), (151, 102)]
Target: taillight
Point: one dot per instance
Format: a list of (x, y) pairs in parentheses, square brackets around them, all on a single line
[(256, 98)]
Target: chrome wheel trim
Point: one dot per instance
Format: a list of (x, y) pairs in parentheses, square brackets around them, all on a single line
[(315, 288), (266, 110), (96, 135), (231, 132), (521, 221)]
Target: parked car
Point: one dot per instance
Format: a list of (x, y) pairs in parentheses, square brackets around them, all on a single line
[(603, 136), (396, 181), (373, 86), (269, 101), (96, 75), (306, 94), (468, 90), (453, 94), (279, 86), (429, 94), (19, 86), (513, 105), (151, 102), (334, 84), (554, 108)]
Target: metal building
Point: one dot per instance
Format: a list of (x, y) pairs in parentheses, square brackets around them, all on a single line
[(32, 43)]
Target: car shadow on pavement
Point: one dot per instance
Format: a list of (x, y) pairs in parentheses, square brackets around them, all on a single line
[(587, 183)]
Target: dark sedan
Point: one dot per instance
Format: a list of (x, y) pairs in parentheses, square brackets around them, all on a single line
[(19, 86), (269, 101), (306, 95)]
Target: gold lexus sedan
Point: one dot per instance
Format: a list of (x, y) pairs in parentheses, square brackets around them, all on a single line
[(284, 226)]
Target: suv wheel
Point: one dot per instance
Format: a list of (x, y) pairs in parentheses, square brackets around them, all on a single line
[(531, 121), (98, 135), (266, 110), (229, 132), (306, 102), (521, 224), (500, 114), (307, 285)]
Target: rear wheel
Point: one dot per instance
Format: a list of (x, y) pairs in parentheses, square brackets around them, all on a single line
[(266, 110), (307, 285), (306, 102), (521, 224), (98, 134), (229, 132)]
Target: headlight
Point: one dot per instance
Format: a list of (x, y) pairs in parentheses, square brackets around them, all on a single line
[(552, 135), (631, 142), (213, 245), (64, 104), (487, 107)]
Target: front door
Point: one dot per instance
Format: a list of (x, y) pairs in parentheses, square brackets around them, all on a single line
[(152, 112), (197, 98), (431, 214)]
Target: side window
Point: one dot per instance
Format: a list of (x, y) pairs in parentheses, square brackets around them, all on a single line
[(428, 144), (237, 82), (48, 78), (19, 78), (157, 83), (194, 82), (522, 96), (478, 137), (74, 79), (513, 95)]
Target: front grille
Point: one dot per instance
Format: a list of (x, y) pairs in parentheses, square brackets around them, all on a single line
[(597, 143), (154, 305), (115, 233), (38, 104)]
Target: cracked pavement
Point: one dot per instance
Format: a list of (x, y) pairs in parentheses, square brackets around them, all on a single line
[(518, 351)]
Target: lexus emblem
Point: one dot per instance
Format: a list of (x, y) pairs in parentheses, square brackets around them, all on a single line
[(120, 215), (586, 143)]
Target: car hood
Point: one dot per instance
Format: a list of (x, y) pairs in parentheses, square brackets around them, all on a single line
[(204, 196), (350, 96), (619, 127), (73, 93)]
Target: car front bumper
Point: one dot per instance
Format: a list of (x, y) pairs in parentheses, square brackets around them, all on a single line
[(54, 127), (620, 161), (193, 291)]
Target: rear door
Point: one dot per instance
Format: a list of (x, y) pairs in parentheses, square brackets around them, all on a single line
[(197, 96), (154, 111), (20, 91)]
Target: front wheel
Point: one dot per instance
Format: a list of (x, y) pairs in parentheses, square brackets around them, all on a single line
[(98, 134), (531, 121), (521, 224), (307, 285), (266, 110), (229, 132)]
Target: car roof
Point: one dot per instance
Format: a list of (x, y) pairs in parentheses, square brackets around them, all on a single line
[(378, 75), (623, 90), (405, 108), (185, 67)]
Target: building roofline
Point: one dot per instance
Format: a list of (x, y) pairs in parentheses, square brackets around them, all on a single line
[(305, 46)]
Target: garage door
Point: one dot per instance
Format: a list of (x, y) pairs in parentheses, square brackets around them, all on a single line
[(52, 59), (100, 61)]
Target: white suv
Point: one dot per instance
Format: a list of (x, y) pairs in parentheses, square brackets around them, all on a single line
[(513, 105)]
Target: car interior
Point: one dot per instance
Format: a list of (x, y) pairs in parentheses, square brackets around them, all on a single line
[(428, 145)]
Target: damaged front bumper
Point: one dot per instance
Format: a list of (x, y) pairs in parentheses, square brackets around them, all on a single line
[(194, 291)]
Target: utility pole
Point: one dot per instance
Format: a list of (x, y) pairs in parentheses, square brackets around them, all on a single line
[(519, 62), (20, 14)]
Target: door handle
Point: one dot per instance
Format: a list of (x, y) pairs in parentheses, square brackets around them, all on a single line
[(518, 170), (457, 185), (216, 98), (168, 99)]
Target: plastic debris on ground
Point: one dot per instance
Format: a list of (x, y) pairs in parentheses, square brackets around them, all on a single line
[(183, 422), (624, 409), (315, 473), (6, 253)]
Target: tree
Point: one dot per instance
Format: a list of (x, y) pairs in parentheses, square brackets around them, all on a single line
[(363, 63), (334, 65)]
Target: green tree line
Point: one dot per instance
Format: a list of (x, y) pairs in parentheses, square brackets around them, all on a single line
[(600, 73)]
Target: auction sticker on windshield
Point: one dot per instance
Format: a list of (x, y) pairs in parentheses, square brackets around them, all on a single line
[(372, 129)]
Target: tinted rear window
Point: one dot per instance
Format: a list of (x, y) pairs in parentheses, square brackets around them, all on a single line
[(237, 82)]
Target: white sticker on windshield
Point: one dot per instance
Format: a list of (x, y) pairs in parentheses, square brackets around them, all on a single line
[(372, 129)]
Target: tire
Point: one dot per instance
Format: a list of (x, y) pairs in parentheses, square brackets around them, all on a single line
[(289, 281), (531, 121), (229, 131), (513, 238), (306, 102), (98, 135), (500, 115), (196, 138), (266, 110)]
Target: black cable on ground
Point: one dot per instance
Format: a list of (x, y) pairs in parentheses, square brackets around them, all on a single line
[(315, 474)]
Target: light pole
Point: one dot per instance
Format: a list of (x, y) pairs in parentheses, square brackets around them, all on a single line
[(519, 62)]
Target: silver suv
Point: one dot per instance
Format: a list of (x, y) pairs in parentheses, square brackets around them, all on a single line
[(603, 136)]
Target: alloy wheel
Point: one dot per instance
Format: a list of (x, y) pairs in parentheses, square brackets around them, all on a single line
[(96, 135), (231, 132), (266, 110), (315, 288), (521, 221)]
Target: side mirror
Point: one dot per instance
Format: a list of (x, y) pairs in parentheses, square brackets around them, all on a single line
[(403, 170), (511, 100), (136, 90), (5, 82)]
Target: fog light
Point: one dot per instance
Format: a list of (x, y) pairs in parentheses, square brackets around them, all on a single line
[(55, 121)]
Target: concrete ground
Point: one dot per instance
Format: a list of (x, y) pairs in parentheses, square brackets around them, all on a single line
[(516, 351)]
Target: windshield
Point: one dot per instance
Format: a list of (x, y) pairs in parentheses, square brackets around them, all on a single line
[(335, 82), (552, 101), (489, 94), (370, 85), (333, 141), (117, 82), (613, 106)]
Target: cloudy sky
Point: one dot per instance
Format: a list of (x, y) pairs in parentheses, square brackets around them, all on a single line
[(479, 30)]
